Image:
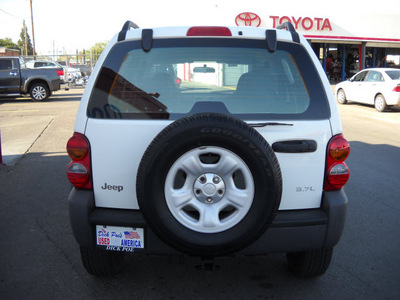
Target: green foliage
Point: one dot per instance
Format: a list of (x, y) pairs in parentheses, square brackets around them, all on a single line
[(8, 43), (98, 48), (24, 42)]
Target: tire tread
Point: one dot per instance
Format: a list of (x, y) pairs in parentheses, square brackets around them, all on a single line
[(101, 263), (309, 264)]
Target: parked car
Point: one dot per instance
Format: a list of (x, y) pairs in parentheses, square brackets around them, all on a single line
[(16, 80), (247, 160), (85, 69), (376, 86), (69, 72)]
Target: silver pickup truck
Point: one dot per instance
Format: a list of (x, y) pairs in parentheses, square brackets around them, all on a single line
[(16, 80)]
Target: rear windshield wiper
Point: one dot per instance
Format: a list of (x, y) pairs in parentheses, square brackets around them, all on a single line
[(269, 124), (154, 95)]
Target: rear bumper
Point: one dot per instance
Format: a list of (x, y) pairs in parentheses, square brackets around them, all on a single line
[(392, 98), (291, 231), (55, 85)]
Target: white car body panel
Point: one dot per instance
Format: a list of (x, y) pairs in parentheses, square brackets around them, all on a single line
[(116, 145)]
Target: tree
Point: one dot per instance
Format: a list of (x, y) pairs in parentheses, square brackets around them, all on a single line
[(8, 43), (99, 47), (96, 50), (24, 42)]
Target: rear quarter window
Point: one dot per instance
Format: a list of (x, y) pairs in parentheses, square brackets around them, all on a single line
[(178, 77), (393, 74)]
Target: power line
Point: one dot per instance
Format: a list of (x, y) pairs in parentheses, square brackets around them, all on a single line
[(9, 14)]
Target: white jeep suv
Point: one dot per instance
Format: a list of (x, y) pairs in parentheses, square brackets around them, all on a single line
[(208, 141)]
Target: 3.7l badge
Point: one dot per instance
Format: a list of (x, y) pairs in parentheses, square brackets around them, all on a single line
[(303, 189)]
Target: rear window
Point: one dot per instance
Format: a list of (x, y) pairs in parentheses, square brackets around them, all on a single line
[(178, 77), (394, 74)]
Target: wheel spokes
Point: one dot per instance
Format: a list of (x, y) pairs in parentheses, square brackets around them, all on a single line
[(209, 189)]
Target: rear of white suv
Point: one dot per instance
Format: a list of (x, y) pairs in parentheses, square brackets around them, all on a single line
[(208, 141)]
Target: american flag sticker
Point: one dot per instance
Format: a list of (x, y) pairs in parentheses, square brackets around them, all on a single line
[(131, 235)]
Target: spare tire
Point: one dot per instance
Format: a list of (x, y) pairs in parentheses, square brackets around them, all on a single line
[(209, 184)]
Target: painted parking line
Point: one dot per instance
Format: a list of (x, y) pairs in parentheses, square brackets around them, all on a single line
[(393, 121), (17, 111)]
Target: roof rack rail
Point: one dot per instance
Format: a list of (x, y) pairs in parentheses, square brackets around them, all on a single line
[(128, 25), (289, 27)]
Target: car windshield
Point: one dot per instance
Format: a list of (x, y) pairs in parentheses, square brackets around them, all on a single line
[(170, 82), (393, 74)]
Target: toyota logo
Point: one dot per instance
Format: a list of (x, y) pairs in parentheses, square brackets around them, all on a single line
[(248, 19)]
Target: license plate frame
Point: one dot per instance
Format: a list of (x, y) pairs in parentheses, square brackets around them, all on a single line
[(118, 238)]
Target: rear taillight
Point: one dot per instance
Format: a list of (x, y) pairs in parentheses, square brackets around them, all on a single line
[(209, 31), (336, 173), (79, 169), (60, 72), (396, 88)]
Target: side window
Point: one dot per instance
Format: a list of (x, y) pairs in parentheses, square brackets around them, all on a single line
[(5, 64), (374, 76), (361, 76)]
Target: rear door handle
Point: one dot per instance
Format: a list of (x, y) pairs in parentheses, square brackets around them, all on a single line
[(295, 146), (13, 73)]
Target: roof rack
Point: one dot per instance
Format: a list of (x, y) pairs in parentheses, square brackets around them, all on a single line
[(128, 25), (289, 27), (147, 35)]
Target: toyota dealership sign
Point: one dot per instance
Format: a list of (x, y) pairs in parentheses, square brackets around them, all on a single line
[(305, 23), (248, 19), (334, 28)]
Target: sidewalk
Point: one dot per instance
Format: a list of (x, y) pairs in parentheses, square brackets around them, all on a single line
[(18, 134), (22, 123)]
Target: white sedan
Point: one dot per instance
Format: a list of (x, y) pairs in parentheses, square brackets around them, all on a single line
[(377, 86)]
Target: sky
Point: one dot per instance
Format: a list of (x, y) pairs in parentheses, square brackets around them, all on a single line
[(68, 25), (78, 24)]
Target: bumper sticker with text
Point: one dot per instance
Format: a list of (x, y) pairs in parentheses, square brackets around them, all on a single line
[(117, 238)]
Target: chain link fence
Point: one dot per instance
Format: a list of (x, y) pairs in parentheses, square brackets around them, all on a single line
[(88, 59)]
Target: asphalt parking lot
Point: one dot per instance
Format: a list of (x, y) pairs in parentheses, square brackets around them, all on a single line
[(40, 258)]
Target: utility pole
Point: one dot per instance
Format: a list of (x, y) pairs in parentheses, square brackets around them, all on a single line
[(33, 33), (26, 41)]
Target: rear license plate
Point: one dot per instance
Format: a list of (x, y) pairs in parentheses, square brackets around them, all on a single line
[(117, 238)]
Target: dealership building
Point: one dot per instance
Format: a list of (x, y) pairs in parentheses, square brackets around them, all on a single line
[(345, 41)]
